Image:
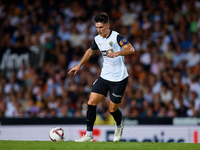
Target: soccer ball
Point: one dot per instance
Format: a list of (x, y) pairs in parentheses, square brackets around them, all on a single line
[(57, 134)]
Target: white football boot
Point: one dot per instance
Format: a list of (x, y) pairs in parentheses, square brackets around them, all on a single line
[(118, 133), (85, 138)]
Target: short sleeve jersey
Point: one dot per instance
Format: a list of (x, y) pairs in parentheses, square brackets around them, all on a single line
[(114, 69)]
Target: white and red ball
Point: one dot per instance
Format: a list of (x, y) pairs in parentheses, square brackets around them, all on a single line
[(57, 134)]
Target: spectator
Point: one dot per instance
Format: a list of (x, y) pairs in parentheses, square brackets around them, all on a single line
[(178, 56), (165, 94), (191, 112), (171, 110), (182, 110), (192, 57)]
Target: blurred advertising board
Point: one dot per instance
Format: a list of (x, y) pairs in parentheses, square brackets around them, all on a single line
[(142, 133), (12, 58)]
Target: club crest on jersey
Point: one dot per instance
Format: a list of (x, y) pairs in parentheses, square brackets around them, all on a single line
[(111, 43)]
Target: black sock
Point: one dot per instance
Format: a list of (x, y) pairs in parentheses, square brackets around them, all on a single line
[(91, 117), (117, 115)]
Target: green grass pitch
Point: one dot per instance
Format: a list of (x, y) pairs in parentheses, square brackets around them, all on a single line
[(48, 145)]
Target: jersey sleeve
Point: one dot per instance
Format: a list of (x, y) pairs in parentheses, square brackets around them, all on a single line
[(121, 40), (94, 46)]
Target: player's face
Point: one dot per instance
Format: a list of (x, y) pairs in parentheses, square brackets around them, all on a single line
[(102, 29)]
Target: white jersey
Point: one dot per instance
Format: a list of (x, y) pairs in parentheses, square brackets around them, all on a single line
[(114, 69)]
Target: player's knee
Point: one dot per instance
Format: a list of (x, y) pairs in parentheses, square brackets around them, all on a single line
[(112, 109), (92, 102)]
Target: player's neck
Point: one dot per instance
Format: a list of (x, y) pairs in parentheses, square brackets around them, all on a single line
[(107, 34)]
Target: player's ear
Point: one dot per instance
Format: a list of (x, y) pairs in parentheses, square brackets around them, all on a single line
[(108, 26)]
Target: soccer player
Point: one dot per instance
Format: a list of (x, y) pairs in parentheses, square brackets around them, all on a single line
[(113, 77)]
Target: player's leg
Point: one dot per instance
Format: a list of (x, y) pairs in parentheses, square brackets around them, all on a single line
[(94, 100), (116, 93), (117, 115), (99, 91), (115, 112)]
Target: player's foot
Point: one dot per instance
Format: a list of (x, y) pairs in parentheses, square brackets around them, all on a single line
[(85, 138), (118, 133)]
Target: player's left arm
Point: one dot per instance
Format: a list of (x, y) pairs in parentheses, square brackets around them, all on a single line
[(127, 48)]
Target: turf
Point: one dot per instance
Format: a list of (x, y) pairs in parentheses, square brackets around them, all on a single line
[(48, 145)]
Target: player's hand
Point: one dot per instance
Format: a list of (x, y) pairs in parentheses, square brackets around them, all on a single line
[(74, 70), (113, 54)]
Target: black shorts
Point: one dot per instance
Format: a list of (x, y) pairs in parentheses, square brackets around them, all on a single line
[(102, 86)]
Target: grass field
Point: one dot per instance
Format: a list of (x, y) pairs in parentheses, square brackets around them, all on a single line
[(48, 145)]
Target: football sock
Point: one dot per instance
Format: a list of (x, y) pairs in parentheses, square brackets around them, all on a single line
[(119, 126), (91, 117), (89, 133), (117, 115)]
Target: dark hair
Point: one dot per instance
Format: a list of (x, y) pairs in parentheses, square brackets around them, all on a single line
[(102, 17)]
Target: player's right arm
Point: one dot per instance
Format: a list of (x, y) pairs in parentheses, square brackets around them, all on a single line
[(85, 58)]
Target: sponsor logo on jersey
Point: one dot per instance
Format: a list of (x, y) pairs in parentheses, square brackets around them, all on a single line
[(106, 52)]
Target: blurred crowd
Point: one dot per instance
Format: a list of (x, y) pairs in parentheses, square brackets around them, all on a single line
[(164, 73)]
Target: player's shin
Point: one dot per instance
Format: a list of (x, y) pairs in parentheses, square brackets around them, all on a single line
[(117, 115), (91, 117)]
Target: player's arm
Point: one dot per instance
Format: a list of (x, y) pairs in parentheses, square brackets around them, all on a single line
[(127, 48), (85, 58)]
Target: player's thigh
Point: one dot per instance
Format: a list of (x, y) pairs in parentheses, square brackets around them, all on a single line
[(99, 91), (117, 90), (95, 98)]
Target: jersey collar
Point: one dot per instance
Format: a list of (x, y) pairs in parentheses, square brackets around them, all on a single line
[(109, 34)]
